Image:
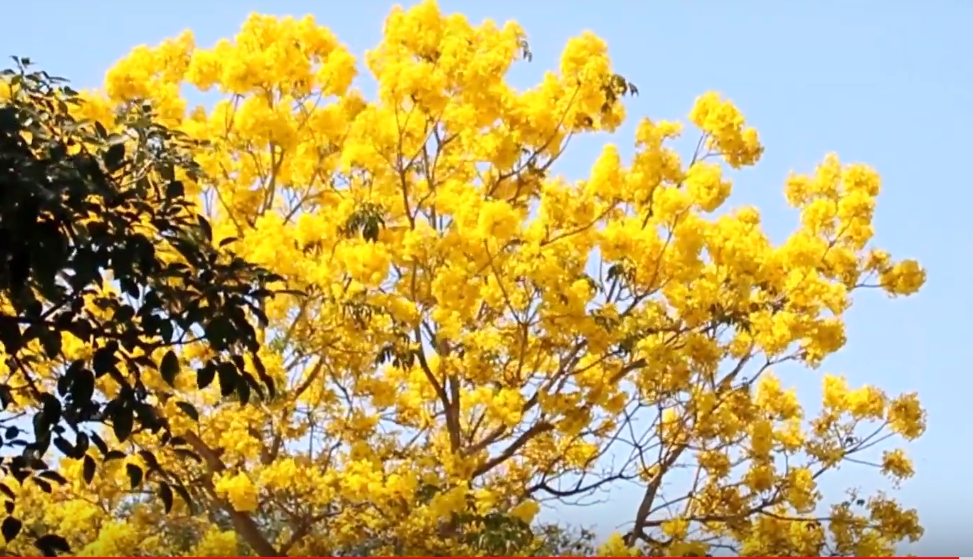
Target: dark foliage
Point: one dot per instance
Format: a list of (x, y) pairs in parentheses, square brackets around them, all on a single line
[(82, 208)]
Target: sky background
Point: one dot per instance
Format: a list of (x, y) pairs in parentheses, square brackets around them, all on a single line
[(884, 83)]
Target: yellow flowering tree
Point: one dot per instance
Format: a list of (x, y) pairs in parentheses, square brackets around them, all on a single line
[(475, 335)]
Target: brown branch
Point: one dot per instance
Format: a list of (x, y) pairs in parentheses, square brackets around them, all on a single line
[(508, 452), (242, 522)]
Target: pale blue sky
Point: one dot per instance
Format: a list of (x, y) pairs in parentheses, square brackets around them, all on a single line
[(885, 83)]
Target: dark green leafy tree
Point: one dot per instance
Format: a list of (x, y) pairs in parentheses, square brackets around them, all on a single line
[(80, 208)]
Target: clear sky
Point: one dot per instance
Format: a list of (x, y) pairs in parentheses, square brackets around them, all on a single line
[(885, 83)]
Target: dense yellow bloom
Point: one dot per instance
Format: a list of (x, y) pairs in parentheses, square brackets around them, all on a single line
[(896, 464), (239, 491), (526, 511), (615, 546), (6, 91), (474, 330)]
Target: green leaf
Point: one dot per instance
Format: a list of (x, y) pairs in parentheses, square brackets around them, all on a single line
[(103, 360), (175, 189), (45, 487), (205, 227), (51, 544), (189, 410), (151, 462), (270, 384), (184, 495), (10, 335), (243, 391), (218, 331), (165, 493), (114, 455), (205, 376), (53, 476), (114, 157), (135, 475), (124, 314), (169, 368), (64, 446), (42, 427), (82, 386), (228, 378), (165, 331), (51, 340), (88, 469), (81, 445), (100, 443), (265, 378), (10, 528), (122, 423)]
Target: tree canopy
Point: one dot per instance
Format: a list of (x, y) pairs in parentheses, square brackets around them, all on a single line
[(107, 271), (471, 336)]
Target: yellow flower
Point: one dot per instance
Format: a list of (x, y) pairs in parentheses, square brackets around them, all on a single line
[(614, 546), (239, 491), (526, 511), (903, 278), (906, 416), (896, 464)]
